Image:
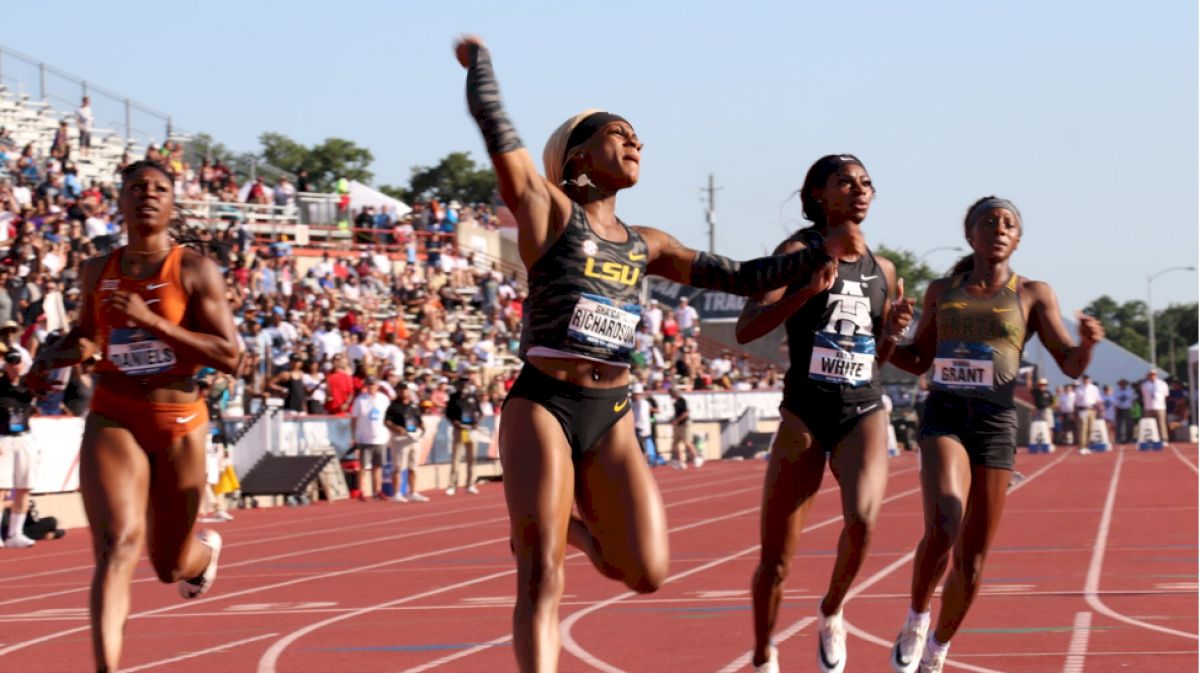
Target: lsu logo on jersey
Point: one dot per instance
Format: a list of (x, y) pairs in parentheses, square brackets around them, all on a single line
[(613, 272)]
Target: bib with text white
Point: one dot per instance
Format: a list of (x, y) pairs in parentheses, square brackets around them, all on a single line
[(963, 365), (844, 360)]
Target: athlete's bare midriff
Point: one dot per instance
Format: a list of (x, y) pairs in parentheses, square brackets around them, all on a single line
[(582, 373), (161, 389)]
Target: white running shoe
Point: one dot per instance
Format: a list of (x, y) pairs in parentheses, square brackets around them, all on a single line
[(19, 541), (197, 586), (472, 490), (831, 642), (910, 644), (1085, 451), (399, 498), (771, 665), (698, 462), (224, 515), (452, 490), (417, 497), (676, 465), (933, 662)]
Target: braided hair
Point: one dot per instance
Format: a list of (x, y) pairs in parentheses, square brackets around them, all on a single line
[(178, 229)]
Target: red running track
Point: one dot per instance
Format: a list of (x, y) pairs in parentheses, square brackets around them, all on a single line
[(1094, 569)]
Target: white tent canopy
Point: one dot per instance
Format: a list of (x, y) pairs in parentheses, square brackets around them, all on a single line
[(362, 195), (1110, 363)]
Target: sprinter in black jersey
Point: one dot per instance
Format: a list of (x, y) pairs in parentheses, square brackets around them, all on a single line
[(840, 328), (566, 437)]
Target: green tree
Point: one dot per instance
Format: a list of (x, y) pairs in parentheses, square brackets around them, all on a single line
[(1124, 324), (916, 274), (1127, 326), (456, 176), (332, 159)]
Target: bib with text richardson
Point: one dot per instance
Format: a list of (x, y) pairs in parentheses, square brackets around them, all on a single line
[(598, 323)]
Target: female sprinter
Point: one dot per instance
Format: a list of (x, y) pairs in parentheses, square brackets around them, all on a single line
[(157, 311), (973, 328), (566, 437), (832, 401)]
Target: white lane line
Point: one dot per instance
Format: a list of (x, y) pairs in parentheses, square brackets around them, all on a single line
[(267, 587), (384, 522), (270, 659), (895, 565), (276, 557), (568, 641), (1077, 651), (1091, 590), (459, 655), (1185, 460), (198, 653)]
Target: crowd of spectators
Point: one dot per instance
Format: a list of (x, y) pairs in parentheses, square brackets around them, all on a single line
[(1073, 410)]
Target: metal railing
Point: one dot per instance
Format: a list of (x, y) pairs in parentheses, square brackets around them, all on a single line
[(22, 73)]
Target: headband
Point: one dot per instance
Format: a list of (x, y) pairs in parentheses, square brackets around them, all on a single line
[(586, 128)]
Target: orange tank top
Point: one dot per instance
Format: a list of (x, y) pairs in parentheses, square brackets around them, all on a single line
[(131, 350)]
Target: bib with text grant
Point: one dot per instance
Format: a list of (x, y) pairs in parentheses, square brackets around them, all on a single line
[(962, 365), (598, 323), (841, 359), (137, 352)]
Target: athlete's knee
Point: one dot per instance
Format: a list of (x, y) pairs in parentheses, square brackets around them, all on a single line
[(120, 549), (860, 524), (542, 570), (773, 569), (648, 578), (970, 569)]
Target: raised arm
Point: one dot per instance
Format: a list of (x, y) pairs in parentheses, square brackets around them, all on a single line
[(674, 261), (917, 357), (1046, 321), (541, 209), (764, 312)]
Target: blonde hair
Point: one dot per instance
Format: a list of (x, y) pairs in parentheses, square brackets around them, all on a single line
[(553, 155)]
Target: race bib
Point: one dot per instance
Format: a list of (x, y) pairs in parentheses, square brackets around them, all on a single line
[(137, 352), (844, 360), (962, 365), (599, 324)]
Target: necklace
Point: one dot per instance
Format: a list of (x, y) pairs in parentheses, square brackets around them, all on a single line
[(147, 252)]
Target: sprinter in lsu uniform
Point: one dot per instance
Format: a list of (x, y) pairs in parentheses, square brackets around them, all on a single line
[(840, 325), (566, 437), (157, 312), (973, 328)]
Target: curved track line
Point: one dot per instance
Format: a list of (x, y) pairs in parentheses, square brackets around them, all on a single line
[(874, 579), (267, 587), (269, 660), (569, 643), (744, 660), (459, 655), (322, 531), (1091, 590)]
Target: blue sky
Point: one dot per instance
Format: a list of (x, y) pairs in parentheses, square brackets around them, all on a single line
[(1083, 113)]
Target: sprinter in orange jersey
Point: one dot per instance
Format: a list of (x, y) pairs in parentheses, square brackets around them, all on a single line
[(157, 312)]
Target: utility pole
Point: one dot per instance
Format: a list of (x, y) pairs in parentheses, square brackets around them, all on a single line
[(710, 213)]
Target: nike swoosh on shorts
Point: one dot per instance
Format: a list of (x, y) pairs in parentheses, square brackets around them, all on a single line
[(860, 411), (155, 286), (185, 419), (620, 406)]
